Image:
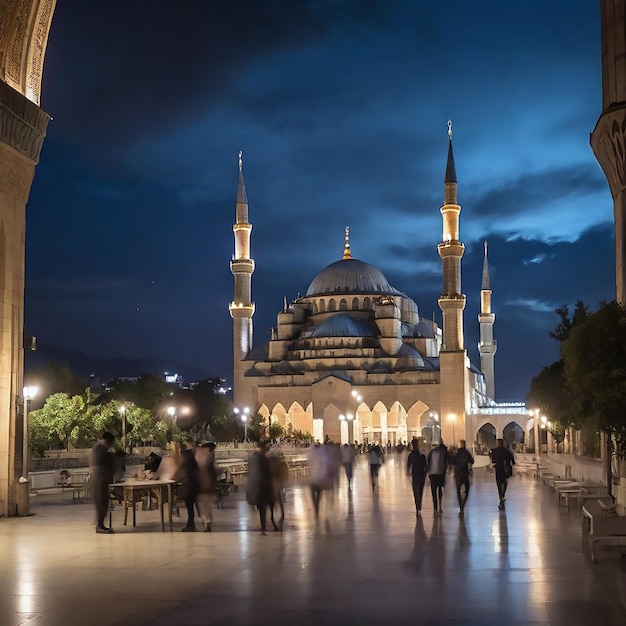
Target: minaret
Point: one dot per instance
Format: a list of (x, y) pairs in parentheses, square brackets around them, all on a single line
[(453, 371), (609, 136), (451, 301), (487, 346), (241, 308)]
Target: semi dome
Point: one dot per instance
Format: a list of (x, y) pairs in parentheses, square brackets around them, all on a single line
[(342, 325), (350, 276)]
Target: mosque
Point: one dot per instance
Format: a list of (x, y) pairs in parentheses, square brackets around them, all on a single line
[(353, 360)]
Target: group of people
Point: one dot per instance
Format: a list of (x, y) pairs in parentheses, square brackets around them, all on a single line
[(194, 469), (197, 474), (439, 461)]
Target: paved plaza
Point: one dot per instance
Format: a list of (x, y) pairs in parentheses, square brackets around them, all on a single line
[(368, 561)]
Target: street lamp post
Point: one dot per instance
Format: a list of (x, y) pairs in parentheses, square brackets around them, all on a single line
[(28, 394), (245, 414), (171, 411), (122, 410)]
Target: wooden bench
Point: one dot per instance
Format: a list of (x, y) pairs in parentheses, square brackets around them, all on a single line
[(603, 522)]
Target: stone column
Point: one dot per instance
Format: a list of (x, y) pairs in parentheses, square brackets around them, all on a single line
[(22, 132)]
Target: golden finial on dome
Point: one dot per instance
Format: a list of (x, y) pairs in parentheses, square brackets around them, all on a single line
[(346, 247), (450, 129), (240, 155)]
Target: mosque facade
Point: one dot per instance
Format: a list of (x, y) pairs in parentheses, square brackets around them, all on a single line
[(353, 359)]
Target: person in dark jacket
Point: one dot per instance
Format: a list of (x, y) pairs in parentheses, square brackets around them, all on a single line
[(437, 466), (103, 469), (462, 462), (259, 483), (188, 477), (503, 461), (416, 467)]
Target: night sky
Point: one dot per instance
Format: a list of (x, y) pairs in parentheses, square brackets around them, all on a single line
[(340, 108)]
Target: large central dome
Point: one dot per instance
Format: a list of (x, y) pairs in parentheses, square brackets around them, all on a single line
[(350, 276)]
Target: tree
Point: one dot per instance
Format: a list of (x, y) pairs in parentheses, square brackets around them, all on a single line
[(275, 431), (548, 393), (594, 357), (145, 392), (61, 417), (564, 328)]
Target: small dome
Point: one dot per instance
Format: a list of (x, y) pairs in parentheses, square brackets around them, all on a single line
[(342, 325), (350, 276), (409, 358)]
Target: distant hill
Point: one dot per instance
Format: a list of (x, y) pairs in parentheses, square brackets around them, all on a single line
[(106, 369)]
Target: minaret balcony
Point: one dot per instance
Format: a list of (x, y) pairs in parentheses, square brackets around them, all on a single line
[(488, 348), (451, 248), (452, 301), (242, 266), (239, 310)]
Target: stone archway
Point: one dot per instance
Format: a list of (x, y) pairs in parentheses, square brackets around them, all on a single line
[(485, 438), (24, 28)]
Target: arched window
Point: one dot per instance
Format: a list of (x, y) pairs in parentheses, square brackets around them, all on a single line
[(331, 305), (343, 305), (321, 306), (367, 303), (355, 304)]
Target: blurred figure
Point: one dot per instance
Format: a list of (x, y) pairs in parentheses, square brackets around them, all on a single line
[(503, 461), (462, 462), (376, 460), (152, 464), (279, 471), (321, 474), (187, 475), (437, 466), (347, 460), (416, 467), (103, 469), (207, 482), (259, 483)]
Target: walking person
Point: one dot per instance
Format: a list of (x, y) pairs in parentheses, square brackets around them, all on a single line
[(503, 461), (416, 467), (207, 482), (259, 483), (437, 466), (187, 475), (102, 471), (321, 474), (347, 460), (377, 458), (462, 462)]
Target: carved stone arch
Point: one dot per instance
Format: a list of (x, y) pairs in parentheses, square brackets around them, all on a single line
[(24, 29), (513, 433), (355, 304), (332, 424), (416, 418), (485, 436), (343, 304), (332, 305), (367, 303), (264, 411), (300, 419), (279, 415), (396, 415)]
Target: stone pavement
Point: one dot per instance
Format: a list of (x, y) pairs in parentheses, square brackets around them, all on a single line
[(368, 561)]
